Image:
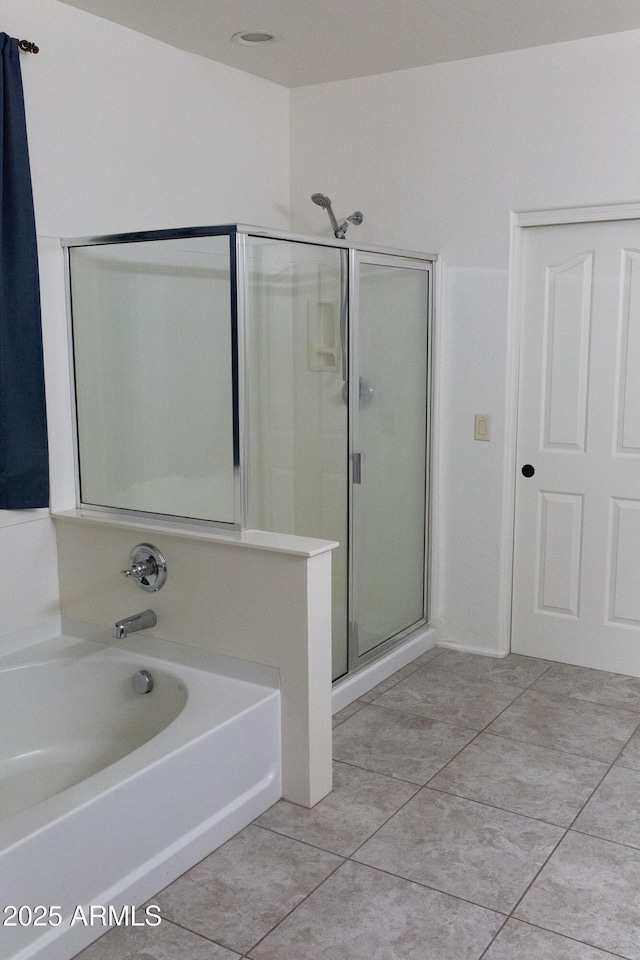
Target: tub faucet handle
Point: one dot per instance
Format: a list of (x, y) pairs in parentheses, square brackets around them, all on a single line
[(148, 567), (141, 570)]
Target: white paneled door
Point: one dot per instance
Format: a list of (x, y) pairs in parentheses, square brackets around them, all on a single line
[(576, 594)]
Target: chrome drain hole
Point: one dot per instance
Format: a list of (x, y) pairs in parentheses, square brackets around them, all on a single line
[(142, 681)]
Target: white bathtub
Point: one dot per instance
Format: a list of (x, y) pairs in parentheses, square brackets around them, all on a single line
[(107, 795)]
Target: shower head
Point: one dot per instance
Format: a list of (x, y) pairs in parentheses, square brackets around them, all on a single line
[(339, 230), (323, 201)]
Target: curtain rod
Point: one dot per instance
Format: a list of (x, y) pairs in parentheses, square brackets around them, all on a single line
[(28, 46)]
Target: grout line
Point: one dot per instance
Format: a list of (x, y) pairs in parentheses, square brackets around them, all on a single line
[(596, 836), (566, 833), (426, 886), (422, 716), (536, 875), (293, 909), (493, 939), (339, 723), (531, 743), (470, 675), (307, 843), (390, 685), (390, 776), (379, 828), (562, 936), (194, 933), (594, 703), (494, 806)]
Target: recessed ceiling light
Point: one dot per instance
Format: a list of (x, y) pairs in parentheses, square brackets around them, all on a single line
[(254, 38)]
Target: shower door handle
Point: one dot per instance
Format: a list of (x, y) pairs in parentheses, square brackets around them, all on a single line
[(357, 468)]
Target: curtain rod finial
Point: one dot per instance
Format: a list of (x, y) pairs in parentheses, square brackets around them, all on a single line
[(28, 46)]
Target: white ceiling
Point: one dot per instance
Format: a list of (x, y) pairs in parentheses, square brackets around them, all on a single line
[(324, 40)]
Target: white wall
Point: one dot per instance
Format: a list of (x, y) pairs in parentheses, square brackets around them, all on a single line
[(436, 158), (128, 133), (125, 133)]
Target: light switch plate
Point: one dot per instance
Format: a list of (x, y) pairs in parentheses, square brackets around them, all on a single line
[(481, 426)]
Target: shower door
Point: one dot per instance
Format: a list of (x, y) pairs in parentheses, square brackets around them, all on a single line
[(389, 444), (330, 461)]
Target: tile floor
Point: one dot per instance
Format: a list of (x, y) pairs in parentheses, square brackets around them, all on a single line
[(482, 809)]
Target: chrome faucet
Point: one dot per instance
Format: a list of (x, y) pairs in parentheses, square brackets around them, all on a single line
[(139, 621)]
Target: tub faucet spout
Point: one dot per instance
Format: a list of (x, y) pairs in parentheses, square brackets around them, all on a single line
[(139, 621)]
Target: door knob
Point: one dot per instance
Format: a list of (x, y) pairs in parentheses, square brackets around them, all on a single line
[(528, 470)]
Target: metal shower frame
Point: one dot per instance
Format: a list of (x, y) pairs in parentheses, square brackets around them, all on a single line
[(240, 347)]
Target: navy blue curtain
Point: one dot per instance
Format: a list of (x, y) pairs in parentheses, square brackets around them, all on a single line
[(24, 468)]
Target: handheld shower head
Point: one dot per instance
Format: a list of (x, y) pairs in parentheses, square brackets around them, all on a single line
[(339, 230), (323, 201)]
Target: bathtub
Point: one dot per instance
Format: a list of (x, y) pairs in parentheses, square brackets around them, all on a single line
[(106, 794)]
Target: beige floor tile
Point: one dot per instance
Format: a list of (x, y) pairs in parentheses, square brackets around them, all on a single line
[(361, 801), (445, 695), (589, 891), (390, 682), (520, 941), (613, 812), (514, 668), (362, 914), (347, 712), (164, 942), (596, 686), (571, 726), (428, 656), (630, 756), (398, 744), (238, 893), (460, 847), (522, 777)]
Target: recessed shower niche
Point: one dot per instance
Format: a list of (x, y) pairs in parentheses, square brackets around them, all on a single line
[(244, 378)]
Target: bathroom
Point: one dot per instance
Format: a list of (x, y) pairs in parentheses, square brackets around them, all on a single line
[(122, 166), (436, 157)]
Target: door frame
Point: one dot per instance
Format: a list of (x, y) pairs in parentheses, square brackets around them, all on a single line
[(520, 221), (427, 264)]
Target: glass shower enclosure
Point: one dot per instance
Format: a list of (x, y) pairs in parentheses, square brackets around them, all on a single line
[(254, 379)]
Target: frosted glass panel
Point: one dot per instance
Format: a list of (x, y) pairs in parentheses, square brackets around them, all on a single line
[(153, 358), (297, 415), (389, 503)]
